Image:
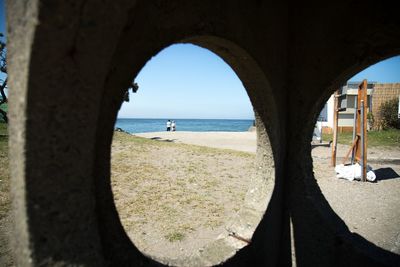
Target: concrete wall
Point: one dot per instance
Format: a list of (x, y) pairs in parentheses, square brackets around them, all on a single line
[(70, 63), (329, 113), (345, 118)]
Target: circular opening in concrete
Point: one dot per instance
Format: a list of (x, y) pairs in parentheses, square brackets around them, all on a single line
[(370, 209), (189, 198)]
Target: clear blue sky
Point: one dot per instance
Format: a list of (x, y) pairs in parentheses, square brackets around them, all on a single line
[(386, 71), (187, 81), (2, 17)]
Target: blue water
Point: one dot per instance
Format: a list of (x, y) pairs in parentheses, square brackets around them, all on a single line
[(194, 125)]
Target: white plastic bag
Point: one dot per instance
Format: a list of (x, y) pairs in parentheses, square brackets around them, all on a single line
[(353, 172)]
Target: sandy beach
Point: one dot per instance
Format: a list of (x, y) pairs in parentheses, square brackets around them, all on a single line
[(247, 142), (241, 141)]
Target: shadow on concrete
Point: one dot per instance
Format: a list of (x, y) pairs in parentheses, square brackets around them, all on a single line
[(274, 225), (386, 174)]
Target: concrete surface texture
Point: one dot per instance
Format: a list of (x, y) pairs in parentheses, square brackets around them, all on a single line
[(70, 63)]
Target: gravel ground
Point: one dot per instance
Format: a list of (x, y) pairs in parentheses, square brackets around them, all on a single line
[(369, 209)]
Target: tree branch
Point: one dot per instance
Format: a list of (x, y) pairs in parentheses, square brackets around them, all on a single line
[(3, 95)]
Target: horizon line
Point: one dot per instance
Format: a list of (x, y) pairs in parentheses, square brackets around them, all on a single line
[(170, 118)]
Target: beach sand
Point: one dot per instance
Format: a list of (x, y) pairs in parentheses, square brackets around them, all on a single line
[(241, 141)]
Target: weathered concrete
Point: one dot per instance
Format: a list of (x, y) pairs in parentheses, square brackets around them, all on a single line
[(70, 63)]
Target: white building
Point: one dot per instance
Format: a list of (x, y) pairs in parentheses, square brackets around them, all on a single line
[(348, 101)]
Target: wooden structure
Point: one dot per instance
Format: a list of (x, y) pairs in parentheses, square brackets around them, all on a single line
[(337, 109), (358, 148), (335, 127)]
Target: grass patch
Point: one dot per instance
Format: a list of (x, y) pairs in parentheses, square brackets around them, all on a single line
[(5, 201), (127, 138), (175, 236), (3, 128), (174, 189), (385, 138)]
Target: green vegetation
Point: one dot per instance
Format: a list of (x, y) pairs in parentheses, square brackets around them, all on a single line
[(4, 107), (388, 113), (4, 172), (371, 120), (3, 83), (3, 129), (387, 138), (175, 236)]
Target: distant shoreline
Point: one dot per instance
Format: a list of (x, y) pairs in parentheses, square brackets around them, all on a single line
[(192, 125), (174, 118)]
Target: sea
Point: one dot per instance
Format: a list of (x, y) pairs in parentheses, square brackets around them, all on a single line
[(193, 125)]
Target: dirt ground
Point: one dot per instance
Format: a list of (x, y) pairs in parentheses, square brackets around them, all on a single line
[(6, 256), (184, 197), (187, 220), (371, 210)]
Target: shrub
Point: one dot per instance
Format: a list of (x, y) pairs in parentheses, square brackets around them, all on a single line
[(388, 113), (371, 120)]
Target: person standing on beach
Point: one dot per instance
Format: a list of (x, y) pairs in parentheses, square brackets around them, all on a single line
[(168, 125), (173, 126)]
